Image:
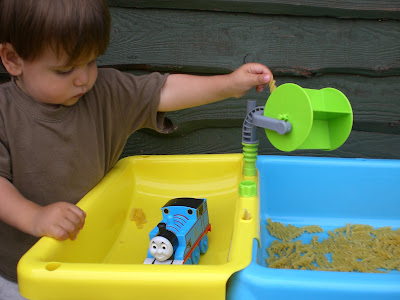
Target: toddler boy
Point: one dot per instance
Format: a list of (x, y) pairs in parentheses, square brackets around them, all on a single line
[(64, 123)]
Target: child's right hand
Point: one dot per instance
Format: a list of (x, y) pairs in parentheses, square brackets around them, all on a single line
[(60, 220)]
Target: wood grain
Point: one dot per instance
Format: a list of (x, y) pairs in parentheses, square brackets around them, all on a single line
[(216, 128), (332, 8), (373, 100), (211, 42), (228, 140), (215, 42)]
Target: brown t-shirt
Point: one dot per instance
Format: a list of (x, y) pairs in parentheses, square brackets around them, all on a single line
[(59, 154)]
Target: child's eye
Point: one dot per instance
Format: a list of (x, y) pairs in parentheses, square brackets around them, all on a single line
[(64, 72)]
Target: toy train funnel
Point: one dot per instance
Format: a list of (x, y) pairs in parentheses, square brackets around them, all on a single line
[(297, 118)]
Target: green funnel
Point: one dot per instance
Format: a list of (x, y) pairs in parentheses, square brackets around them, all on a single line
[(320, 119)]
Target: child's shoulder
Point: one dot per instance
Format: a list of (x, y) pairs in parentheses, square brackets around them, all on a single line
[(103, 71), (109, 74), (109, 77)]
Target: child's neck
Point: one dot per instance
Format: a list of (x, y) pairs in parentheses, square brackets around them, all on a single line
[(19, 83)]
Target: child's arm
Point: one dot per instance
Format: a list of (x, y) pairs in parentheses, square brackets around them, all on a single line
[(183, 91), (59, 220)]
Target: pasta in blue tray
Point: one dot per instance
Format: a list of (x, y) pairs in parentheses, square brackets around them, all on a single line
[(351, 248)]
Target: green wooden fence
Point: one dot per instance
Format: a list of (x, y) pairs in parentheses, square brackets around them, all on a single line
[(353, 46)]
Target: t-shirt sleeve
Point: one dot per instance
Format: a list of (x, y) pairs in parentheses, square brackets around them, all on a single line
[(138, 98)]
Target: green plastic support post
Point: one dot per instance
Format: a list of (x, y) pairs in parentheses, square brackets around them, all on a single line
[(250, 152)]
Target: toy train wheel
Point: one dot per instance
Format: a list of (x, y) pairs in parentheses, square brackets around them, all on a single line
[(188, 261), (196, 255), (204, 244)]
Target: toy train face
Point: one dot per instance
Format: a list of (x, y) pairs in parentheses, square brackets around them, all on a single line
[(181, 236)]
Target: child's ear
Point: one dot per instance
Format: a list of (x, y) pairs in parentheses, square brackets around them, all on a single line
[(11, 60)]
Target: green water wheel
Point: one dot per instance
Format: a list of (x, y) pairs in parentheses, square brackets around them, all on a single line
[(320, 119)]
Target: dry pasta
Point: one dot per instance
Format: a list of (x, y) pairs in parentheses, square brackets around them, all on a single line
[(350, 248), (313, 229), (282, 232), (139, 217), (272, 85)]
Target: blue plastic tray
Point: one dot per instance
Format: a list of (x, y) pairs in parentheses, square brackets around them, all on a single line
[(329, 192)]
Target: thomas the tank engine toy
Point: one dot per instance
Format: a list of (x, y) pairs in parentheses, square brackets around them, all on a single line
[(181, 236)]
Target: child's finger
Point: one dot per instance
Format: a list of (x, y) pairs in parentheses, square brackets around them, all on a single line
[(80, 214), (75, 219), (74, 234), (260, 88), (67, 225), (263, 79), (58, 233), (256, 68), (260, 81), (71, 225)]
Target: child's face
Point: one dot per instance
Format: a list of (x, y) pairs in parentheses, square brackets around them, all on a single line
[(49, 80)]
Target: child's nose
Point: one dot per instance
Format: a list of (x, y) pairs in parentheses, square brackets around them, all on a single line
[(82, 77)]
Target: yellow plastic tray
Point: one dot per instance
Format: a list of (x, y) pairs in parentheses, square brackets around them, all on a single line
[(105, 261)]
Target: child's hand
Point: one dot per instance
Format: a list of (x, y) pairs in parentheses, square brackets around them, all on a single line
[(248, 76), (59, 220)]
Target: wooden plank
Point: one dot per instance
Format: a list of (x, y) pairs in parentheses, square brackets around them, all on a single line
[(332, 8), (228, 140), (211, 42), (216, 128), (375, 103)]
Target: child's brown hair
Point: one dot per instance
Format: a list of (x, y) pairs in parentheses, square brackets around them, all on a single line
[(81, 28)]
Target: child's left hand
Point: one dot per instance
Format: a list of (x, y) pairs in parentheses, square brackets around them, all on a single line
[(248, 76)]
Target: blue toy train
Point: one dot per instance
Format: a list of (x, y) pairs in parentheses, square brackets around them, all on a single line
[(181, 236)]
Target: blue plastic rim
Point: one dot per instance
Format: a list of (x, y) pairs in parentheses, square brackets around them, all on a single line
[(329, 192)]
